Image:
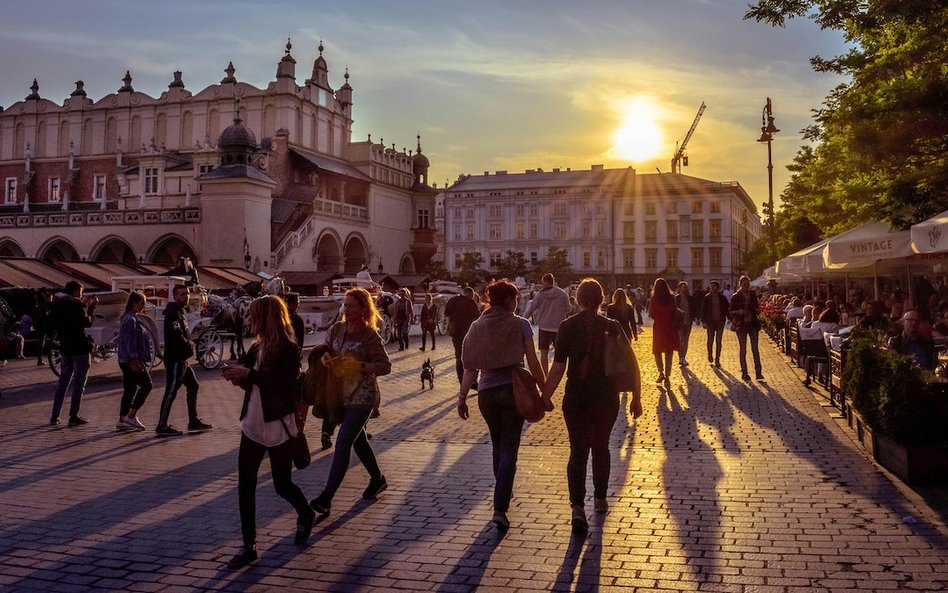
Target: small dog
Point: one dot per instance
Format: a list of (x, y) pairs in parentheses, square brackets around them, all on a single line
[(427, 374)]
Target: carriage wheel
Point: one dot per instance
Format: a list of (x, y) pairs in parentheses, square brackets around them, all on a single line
[(442, 322), (154, 356), (387, 329), (210, 349), (54, 357)]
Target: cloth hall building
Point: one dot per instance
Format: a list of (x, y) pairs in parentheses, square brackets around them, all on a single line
[(233, 175)]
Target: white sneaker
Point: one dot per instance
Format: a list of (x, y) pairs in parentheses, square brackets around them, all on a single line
[(120, 425), (133, 422)]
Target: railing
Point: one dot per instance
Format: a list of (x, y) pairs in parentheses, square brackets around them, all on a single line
[(100, 218), (321, 209)]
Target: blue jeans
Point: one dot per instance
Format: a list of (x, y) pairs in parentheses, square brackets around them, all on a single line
[(75, 370), (401, 330), (505, 425), (715, 335), (351, 437), (742, 342)]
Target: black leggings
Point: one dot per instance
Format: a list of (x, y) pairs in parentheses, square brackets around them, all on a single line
[(135, 388), (589, 426), (249, 458)]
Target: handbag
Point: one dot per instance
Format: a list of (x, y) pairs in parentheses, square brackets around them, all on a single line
[(621, 365), (527, 395), (297, 445)]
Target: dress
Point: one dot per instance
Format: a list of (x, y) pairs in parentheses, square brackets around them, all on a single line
[(664, 331)]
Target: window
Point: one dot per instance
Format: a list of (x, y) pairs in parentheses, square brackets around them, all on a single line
[(495, 257), (651, 259), (534, 258), (53, 189), (671, 257), (715, 230), (599, 210), (457, 231), (151, 180), (9, 190), (715, 259), (586, 259), (470, 212), (560, 209), (470, 232), (203, 169), (520, 210), (423, 219), (697, 207), (600, 229), (697, 230), (495, 211), (585, 229), (494, 231), (651, 230), (715, 207), (601, 258), (458, 259), (650, 208), (628, 208), (628, 259), (533, 209), (671, 231), (457, 212), (697, 260), (671, 208), (628, 230), (521, 231), (533, 230), (98, 190), (559, 230)]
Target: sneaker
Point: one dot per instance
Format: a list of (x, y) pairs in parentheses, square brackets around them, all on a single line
[(245, 556), (745, 377), (321, 504), (54, 421), (304, 527), (580, 525), (500, 520), (761, 378), (375, 487), (198, 425), (120, 425), (601, 505), (684, 363), (77, 421), (661, 378), (167, 431), (40, 363), (133, 422), (326, 441)]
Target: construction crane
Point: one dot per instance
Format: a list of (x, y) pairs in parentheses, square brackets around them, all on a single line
[(680, 157)]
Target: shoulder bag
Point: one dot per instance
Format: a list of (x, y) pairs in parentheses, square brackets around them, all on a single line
[(621, 366), (527, 395)]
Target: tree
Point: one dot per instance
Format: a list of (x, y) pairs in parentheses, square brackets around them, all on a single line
[(436, 270), (512, 265), (470, 271), (555, 262), (881, 139)]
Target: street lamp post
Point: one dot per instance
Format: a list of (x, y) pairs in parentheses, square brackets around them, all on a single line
[(767, 131)]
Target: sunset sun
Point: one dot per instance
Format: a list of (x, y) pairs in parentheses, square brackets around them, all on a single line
[(638, 138)]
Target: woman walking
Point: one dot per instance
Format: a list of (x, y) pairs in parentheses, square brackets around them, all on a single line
[(622, 311), (268, 376), (665, 341), (429, 322), (590, 403), (686, 304), (134, 348), (356, 336), (743, 310), (496, 343)]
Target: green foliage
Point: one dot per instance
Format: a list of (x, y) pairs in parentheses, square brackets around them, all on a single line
[(512, 265), (470, 271), (436, 270), (860, 377), (555, 262), (881, 139), (758, 257)]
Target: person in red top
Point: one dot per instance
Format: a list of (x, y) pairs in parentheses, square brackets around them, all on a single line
[(665, 340)]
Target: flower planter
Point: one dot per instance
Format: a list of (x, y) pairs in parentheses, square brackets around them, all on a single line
[(912, 463), (865, 436)]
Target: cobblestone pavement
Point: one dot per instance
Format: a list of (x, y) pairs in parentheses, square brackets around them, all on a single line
[(720, 486)]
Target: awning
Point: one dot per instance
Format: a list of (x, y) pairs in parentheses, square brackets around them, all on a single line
[(807, 260), (865, 245), (53, 277), (931, 236), (331, 165)]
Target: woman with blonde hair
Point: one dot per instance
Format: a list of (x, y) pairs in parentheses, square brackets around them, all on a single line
[(357, 336), (268, 374)]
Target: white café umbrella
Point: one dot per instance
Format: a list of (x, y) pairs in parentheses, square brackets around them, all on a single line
[(803, 262), (865, 245), (931, 236)]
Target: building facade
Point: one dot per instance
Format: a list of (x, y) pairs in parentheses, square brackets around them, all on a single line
[(267, 178), (614, 224)]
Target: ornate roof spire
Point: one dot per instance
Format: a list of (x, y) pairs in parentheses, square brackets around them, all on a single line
[(289, 46), (127, 87), (177, 83), (35, 94), (419, 142), (320, 47), (79, 92), (229, 71)]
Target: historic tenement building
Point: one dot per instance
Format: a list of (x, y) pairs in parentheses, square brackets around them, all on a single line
[(234, 175), (614, 224)]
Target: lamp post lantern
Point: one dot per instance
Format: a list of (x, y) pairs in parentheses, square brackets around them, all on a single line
[(767, 131)]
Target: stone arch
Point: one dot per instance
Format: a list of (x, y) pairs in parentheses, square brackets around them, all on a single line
[(19, 141), (63, 139), (169, 249), (111, 135), (57, 249), (407, 265), (328, 251), (113, 249), (40, 151), (356, 253), (85, 140), (187, 130), (213, 125), (10, 248), (135, 134), (161, 129), (269, 121)]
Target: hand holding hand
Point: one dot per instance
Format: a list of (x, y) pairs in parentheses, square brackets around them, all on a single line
[(548, 404)]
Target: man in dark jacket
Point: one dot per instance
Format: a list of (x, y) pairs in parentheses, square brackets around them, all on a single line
[(69, 317), (713, 317), (461, 311), (299, 328), (178, 349)]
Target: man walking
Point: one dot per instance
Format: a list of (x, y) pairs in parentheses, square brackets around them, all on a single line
[(292, 306), (550, 307), (461, 310), (69, 317), (713, 317), (178, 349)]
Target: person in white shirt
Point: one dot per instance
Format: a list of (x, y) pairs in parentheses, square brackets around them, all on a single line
[(549, 307)]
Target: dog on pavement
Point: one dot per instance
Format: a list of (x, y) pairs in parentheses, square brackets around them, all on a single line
[(427, 374)]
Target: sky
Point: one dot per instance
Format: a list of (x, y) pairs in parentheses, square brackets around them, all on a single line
[(489, 84)]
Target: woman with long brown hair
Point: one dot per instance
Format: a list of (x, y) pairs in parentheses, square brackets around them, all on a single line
[(356, 335), (268, 375), (134, 350), (665, 340)]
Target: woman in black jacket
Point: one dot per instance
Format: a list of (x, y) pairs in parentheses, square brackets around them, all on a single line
[(268, 376)]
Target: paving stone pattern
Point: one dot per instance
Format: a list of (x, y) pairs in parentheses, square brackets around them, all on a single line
[(721, 485)]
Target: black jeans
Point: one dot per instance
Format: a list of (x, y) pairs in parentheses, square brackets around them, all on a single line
[(715, 335), (459, 366), (176, 375), (401, 331), (249, 457), (424, 334), (351, 437), (684, 334), (135, 388), (589, 425), (505, 425), (742, 343)]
